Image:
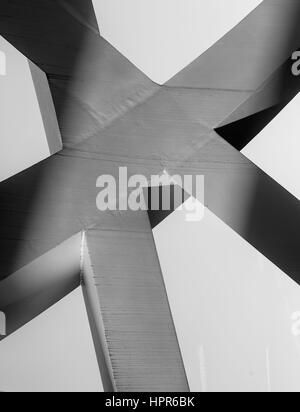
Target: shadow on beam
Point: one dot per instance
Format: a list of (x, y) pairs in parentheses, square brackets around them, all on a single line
[(35, 288), (245, 123)]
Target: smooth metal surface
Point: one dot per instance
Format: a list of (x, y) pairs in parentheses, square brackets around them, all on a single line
[(129, 310)]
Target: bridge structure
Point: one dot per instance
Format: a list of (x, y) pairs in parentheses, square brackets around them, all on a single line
[(100, 113)]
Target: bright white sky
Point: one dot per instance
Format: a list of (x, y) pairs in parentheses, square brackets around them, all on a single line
[(161, 37), (23, 139), (55, 351)]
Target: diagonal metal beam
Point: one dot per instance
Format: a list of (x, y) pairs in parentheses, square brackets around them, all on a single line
[(83, 69), (40, 284), (128, 308), (250, 53)]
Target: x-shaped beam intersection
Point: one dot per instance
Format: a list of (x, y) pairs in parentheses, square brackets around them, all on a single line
[(110, 116)]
